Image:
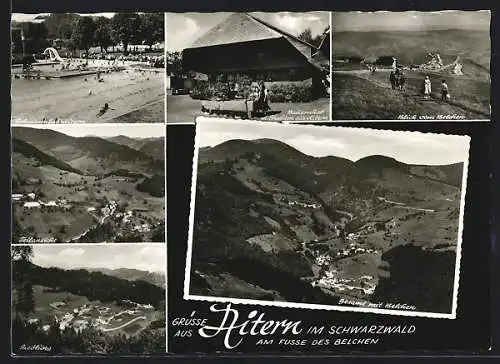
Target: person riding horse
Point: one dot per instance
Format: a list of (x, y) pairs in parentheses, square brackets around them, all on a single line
[(399, 79), (392, 79)]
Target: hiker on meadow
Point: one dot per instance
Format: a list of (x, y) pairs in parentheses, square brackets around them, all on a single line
[(427, 87), (444, 91)]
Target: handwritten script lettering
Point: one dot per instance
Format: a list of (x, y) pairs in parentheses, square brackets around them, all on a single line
[(235, 330)]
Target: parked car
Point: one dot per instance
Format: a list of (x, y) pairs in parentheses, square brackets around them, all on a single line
[(180, 91)]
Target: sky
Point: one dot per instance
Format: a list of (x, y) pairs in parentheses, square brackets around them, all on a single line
[(350, 143), (410, 20), (184, 28), (28, 17), (147, 257), (135, 130)]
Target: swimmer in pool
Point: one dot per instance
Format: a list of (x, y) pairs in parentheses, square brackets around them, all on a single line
[(104, 109)]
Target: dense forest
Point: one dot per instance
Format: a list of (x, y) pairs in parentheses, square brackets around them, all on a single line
[(93, 285), (155, 185), (422, 278)]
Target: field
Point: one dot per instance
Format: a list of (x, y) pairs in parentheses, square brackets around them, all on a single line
[(361, 95)]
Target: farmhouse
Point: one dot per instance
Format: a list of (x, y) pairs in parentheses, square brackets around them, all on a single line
[(49, 204), (79, 325), (31, 205), (17, 196), (34, 321), (243, 46), (382, 62)]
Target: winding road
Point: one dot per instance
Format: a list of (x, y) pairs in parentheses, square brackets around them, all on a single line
[(125, 324)]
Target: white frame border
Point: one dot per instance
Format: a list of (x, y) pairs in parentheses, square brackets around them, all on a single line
[(187, 271)]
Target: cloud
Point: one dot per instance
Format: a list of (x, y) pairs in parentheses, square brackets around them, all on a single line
[(289, 22), (182, 30), (317, 145), (19, 17), (71, 252), (296, 23), (147, 257)]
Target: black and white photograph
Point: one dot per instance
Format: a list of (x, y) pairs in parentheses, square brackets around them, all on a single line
[(264, 66), (411, 65), (324, 217), (88, 183), (88, 299), (88, 68)]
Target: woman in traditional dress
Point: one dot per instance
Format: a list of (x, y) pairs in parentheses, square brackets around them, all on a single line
[(444, 91), (427, 87)]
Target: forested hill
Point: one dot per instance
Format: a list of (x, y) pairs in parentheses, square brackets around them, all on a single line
[(93, 285)]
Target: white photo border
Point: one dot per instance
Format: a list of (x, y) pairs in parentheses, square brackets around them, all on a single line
[(187, 273)]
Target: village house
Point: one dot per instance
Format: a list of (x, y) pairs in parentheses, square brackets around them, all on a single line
[(31, 204), (57, 304), (32, 195), (323, 260), (34, 321), (80, 325), (48, 204), (245, 46), (17, 196)]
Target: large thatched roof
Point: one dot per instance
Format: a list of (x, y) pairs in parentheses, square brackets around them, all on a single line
[(244, 27)]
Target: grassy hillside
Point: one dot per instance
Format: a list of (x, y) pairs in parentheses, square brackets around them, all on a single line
[(358, 94), (369, 97), (154, 147), (29, 151), (92, 154), (80, 197)]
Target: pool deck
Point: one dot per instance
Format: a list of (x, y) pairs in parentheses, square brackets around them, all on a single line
[(37, 64), (93, 71), (68, 74)]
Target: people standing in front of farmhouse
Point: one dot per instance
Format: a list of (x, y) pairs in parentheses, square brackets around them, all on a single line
[(445, 95), (427, 87)]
